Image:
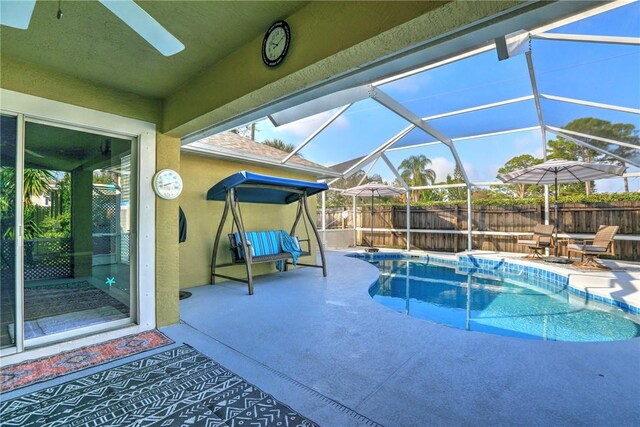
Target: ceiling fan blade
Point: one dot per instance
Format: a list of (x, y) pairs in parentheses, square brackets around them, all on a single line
[(16, 13), (33, 153), (143, 24)]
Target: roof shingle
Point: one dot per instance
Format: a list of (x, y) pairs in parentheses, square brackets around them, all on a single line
[(241, 144)]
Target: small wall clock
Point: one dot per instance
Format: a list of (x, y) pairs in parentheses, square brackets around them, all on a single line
[(167, 184), (276, 43)]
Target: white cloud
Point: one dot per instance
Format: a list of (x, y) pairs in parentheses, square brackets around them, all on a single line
[(529, 143), (472, 172), (442, 168), (492, 171)]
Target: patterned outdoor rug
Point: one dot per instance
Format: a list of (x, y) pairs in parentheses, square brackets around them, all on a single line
[(177, 387), (51, 300), (38, 370)]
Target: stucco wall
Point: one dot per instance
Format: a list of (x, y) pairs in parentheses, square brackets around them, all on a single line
[(27, 78), (201, 173), (183, 265), (167, 256)]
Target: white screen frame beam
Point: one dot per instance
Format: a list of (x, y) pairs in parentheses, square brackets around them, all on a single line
[(634, 41), (378, 150), (591, 104), (320, 105), (597, 138), (598, 149), (393, 105), (316, 133)]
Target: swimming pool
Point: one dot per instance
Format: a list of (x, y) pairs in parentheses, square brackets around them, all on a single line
[(502, 301)]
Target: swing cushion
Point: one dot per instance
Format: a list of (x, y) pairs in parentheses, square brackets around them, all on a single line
[(263, 243)]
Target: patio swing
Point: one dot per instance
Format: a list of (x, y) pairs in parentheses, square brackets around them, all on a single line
[(253, 247)]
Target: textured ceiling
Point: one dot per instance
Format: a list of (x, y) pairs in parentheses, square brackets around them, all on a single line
[(106, 51)]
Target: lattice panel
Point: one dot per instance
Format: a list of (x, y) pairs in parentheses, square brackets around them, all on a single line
[(104, 245), (47, 259), (7, 261), (124, 247), (105, 213)]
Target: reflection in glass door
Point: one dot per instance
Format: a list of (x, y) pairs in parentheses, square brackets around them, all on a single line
[(77, 218), (8, 213)]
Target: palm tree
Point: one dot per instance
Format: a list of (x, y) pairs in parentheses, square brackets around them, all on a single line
[(279, 144), (36, 182), (416, 172)]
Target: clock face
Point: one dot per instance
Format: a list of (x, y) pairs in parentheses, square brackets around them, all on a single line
[(167, 184), (276, 43)]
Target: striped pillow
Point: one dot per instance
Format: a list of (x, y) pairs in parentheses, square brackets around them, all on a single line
[(262, 242)]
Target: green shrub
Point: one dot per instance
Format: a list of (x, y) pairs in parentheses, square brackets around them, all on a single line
[(509, 201)]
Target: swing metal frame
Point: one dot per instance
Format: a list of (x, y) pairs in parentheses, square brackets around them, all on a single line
[(248, 259)]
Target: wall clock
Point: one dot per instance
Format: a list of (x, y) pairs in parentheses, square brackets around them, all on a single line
[(276, 43), (167, 184)]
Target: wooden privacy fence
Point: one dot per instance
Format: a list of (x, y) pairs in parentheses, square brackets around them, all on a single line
[(335, 219), (443, 228)]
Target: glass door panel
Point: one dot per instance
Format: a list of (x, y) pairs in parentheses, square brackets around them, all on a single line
[(8, 277), (77, 219)]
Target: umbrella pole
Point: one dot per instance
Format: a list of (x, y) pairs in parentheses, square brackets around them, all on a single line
[(555, 208), (556, 223)]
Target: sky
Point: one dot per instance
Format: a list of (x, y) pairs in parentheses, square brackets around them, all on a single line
[(602, 73)]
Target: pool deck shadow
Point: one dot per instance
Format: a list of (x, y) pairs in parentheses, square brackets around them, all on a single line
[(325, 348)]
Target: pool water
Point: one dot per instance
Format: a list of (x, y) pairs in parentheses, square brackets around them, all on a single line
[(497, 305)]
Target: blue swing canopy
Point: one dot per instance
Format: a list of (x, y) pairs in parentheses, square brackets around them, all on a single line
[(255, 188)]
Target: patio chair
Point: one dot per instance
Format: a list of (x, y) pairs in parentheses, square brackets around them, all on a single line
[(542, 239), (601, 245)]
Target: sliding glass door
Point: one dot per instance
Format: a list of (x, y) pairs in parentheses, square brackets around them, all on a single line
[(76, 193), (9, 211)]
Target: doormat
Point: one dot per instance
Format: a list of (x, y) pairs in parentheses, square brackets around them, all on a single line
[(67, 321), (177, 387), (34, 371), (61, 306)]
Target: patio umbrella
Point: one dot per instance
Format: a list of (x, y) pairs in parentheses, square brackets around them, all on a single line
[(374, 189), (558, 171)]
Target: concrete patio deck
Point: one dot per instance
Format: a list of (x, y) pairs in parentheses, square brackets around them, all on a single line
[(324, 347)]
